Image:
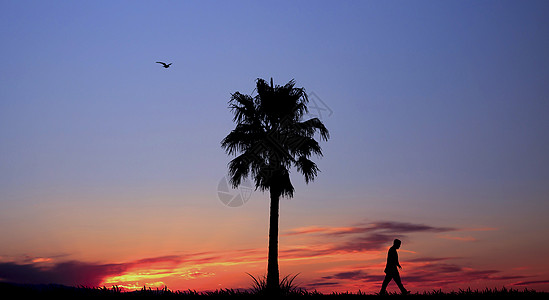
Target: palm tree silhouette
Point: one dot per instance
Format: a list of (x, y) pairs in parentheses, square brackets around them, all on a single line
[(270, 137)]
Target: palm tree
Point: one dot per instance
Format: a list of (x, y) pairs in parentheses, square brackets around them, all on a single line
[(270, 137)]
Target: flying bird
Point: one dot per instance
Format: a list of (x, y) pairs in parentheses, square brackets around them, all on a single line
[(164, 64)]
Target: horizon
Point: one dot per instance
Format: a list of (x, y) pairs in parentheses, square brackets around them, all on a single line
[(112, 171)]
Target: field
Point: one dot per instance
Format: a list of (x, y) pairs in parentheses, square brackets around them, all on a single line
[(17, 291)]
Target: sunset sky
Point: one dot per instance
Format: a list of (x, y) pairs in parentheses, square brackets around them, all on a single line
[(111, 170)]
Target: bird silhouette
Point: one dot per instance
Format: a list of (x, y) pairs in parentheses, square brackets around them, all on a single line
[(164, 64)]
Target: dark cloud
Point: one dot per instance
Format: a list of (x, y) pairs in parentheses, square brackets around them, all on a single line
[(532, 282), (345, 275), (385, 227), (365, 236), (400, 227), (356, 276), (75, 273), (377, 235), (368, 242), (315, 285), (67, 273), (389, 227), (380, 228)]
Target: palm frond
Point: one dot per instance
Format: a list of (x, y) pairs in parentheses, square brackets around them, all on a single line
[(305, 146), (307, 167), (242, 138), (311, 126), (243, 108)]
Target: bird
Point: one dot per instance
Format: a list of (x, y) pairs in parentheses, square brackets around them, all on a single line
[(164, 64)]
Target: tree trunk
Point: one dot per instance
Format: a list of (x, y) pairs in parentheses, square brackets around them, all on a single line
[(273, 286)]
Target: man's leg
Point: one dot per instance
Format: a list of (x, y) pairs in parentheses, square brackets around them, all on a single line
[(396, 278), (385, 283)]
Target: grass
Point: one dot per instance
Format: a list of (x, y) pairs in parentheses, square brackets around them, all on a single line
[(287, 286), (289, 289)]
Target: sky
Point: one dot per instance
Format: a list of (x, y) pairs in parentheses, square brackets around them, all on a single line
[(111, 170)]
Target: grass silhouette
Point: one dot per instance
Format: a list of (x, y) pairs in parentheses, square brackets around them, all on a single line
[(12, 291), (287, 286)]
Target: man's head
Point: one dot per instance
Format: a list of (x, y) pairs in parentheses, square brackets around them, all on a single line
[(396, 243)]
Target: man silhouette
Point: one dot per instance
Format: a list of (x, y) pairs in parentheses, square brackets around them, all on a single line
[(391, 271)]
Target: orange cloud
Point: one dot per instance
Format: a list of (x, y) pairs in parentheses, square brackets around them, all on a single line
[(316, 229)]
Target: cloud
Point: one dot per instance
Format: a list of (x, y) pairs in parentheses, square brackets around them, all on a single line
[(356, 276), (458, 238), (521, 283), (429, 259), (306, 230), (74, 273), (369, 242), (363, 237), (424, 272), (67, 273), (381, 226), (480, 229), (400, 227)]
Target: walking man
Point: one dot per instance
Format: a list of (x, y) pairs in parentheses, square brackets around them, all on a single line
[(391, 271)]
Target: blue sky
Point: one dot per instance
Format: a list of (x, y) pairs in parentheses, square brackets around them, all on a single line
[(439, 108)]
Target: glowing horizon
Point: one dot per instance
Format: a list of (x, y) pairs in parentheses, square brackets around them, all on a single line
[(355, 263)]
